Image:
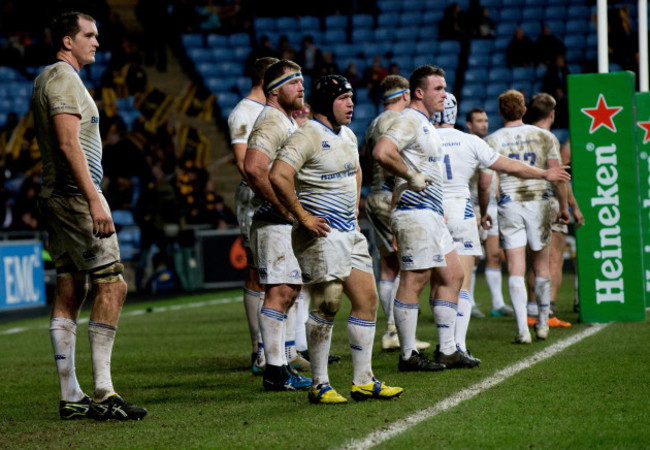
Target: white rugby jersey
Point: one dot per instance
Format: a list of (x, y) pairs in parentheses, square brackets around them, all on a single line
[(382, 181), (531, 145), (59, 90), (326, 165), (271, 130), (556, 142), (421, 150), (241, 120)]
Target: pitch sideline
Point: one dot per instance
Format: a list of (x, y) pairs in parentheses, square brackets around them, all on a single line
[(402, 425)]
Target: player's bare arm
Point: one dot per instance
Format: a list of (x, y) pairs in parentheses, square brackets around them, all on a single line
[(387, 155), (484, 184), (67, 128), (239, 150), (282, 181), (256, 167)]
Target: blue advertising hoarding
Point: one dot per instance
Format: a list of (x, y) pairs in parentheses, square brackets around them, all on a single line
[(21, 274)]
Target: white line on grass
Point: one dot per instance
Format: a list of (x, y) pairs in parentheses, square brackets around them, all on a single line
[(400, 426), (139, 312)]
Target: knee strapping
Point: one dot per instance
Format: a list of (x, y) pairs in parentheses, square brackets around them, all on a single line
[(326, 298), (107, 274)]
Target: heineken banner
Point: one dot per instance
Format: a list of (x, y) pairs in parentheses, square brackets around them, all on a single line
[(606, 186), (643, 138)]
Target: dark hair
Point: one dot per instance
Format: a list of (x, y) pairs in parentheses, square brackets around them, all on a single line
[(67, 24), (259, 67), (540, 107), (512, 105), (470, 114), (276, 70), (420, 76)]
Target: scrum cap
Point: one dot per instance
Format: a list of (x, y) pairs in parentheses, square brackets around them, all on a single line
[(327, 89), (448, 116)]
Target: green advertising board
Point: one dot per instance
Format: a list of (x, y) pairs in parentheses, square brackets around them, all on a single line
[(643, 143), (606, 186)]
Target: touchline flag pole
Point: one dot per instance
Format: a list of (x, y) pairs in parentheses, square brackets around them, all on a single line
[(643, 45)]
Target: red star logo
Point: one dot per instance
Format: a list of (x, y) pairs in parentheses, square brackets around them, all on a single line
[(601, 115), (646, 127)]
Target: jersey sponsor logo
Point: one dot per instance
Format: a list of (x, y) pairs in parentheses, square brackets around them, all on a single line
[(468, 245), (407, 259), (59, 357), (438, 258), (262, 271), (425, 130), (294, 274), (325, 145), (89, 255), (94, 119)]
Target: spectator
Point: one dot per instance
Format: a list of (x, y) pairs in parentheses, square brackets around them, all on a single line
[(485, 28), (352, 75), (285, 49), (152, 14), (373, 77), (548, 46), (209, 21), (521, 50), (310, 57), (555, 84), (329, 66), (262, 50)]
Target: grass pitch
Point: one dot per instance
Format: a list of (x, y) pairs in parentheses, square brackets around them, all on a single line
[(186, 360)]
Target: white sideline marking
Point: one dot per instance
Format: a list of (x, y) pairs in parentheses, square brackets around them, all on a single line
[(402, 425), (138, 312)]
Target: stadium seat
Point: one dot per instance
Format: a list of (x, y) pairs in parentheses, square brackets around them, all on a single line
[(388, 20), (428, 33), (574, 68), (513, 3), (123, 217), (243, 85), (558, 27), (447, 60), (389, 6), (525, 87), (494, 119), (362, 35), (287, 24), (221, 53), (449, 47), (506, 29), (3, 119), (426, 48), (523, 74), (491, 104), (503, 75), (229, 68), (432, 17), (540, 71), (6, 106), (532, 28), (217, 40), (555, 12), (336, 22), (574, 41), (414, 5), (421, 60), (493, 90), (200, 55), (592, 40), (129, 241), (384, 34), (574, 26), (265, 24), (309, 23), (535, 3), (410, 19), (533, 13), (577, 11), (401, 48), (362, 94), (473, 92), (481, 46), (364, 111), (510, 14), (241, 53), (479, 60), (371, 49), (227, 99), (335, 35), (344, 51), (501, 43), (475, 75), (192, 41), (207, 69), (562, 134), (492, 5), (362, 21), (239, 40), (404, 62), (404, 34)]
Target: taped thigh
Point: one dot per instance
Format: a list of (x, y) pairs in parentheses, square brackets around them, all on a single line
[(111, 273), (326, 298)]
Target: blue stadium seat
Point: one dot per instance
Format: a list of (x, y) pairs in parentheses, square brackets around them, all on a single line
[(510, 14), (447, 61), (200, 54), (577, 26), (207, 69), (615, 67), (481, 46), (20, 89), (401, 48), (362, 95), (532, 28), (562, 134), (501, 43), (492, 5), (506, 29), (574, 68), (384, 34), (241, 53), (414, 5), (475, 76), (265, 24), (404, 34), (421, 60), (555, 12), (574, 41), (243, 85), (344, 51), (432, 17), (500, 74), (362, 35), (124, 103), (540, 71), (3, 119), (491, 105), (577, 11), (287, 23), (410, 19), (428, 33), (404, 62), (335, 35), (364, 111), (227, 99), (558, 27), (239, 40), (123, 217), (494, 119), (513, 3), (524, 87), (388, 20), (129, 240), (309, 23), (474, 92), (479, 60), (229, 68), (363, 21), (426, 48), (592, 40), (523, 74), (533, 13), (449, 47), (336, 22), (217, 40), (221, 53), (192, 40), (6, 105), (390, 6), (535, 3), (493, 90), (371, 49)]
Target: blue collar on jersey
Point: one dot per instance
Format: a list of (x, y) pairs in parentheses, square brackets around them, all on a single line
[(328, 127), (73, 67), (417, 110), (254, 101)]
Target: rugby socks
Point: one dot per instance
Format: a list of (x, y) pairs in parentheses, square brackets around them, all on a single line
[(63, 333), (406, 321), (361, 334), (290, 333), (261, 357), (101, 337), (543, 295), (444, 313), (251, 305), (301, 319), (386, 299), (518, 297), (319, 337), (493, 278), (531, 307), (463, 316), (271, 326)]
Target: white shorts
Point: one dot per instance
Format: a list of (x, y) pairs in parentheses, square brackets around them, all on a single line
[(524, 223), (378, 209), (422, 237), (273, 254), (464, 231), (556, 226), (332, 257), (246, 206)]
